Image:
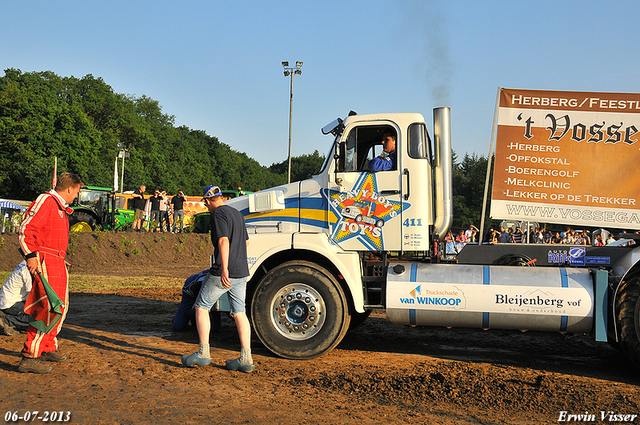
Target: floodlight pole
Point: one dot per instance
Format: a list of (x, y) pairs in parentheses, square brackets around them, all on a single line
[(122, 178), (123, 153), (294, 70)]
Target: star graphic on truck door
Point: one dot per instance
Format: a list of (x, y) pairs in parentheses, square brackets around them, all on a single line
[(362, 212)]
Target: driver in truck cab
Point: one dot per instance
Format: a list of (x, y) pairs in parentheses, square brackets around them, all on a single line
[(386, 161)]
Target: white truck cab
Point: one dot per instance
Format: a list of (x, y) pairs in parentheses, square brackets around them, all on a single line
[(325, 252)]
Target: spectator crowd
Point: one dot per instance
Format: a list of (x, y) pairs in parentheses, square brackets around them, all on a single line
[(538, 235)]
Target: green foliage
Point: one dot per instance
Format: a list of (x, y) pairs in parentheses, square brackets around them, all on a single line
[(81, 121), (125, 243), (73, 242), (469, 176), (302, 167)]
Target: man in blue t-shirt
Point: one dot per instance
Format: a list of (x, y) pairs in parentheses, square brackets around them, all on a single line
[(228, 274), (386, 161)]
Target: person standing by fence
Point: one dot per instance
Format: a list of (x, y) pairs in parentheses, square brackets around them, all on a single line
[(177, 202)]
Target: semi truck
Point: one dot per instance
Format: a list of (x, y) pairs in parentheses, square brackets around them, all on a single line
[(318, 267)]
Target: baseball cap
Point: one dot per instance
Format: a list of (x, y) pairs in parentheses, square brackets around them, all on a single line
[(211, 191)]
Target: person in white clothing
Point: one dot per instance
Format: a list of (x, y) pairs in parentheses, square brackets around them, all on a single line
[(13, 293)]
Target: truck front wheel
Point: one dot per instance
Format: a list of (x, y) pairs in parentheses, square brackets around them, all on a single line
[(299, 311), (628, 312)]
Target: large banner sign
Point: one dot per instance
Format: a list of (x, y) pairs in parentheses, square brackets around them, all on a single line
[(568, 157)]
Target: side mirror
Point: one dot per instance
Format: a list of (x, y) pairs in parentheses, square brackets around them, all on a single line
[(335, 127)]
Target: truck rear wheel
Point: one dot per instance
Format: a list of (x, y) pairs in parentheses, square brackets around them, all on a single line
[(81, 222), (628, 312), (299, 311)]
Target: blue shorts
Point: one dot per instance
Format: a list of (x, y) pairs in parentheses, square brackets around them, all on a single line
[(212, 289)]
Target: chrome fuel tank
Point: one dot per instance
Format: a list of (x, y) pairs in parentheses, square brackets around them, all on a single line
[(490, 297)]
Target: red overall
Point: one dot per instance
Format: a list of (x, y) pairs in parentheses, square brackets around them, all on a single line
[(44, 233)]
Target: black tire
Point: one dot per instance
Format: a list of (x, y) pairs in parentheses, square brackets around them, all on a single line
[(628, 317), (82, 217), (299, 311)]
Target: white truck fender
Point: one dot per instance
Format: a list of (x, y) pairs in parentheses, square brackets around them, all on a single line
[(263, 246), (347, 263)]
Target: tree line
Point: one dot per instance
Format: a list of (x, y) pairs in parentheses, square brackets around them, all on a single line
[(82, 122)]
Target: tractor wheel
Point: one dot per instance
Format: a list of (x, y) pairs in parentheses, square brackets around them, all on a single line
[(82, 222), (299, 310), (628, 317)]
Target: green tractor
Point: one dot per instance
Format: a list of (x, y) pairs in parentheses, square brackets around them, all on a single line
[(99, 208)]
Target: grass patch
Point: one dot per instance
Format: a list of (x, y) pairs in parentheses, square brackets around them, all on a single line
[(99, 234), (126, 243), (73, 243), (91, 283)]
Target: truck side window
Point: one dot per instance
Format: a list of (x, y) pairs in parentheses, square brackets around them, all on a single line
[(419, 145), (350, 160), (362, 144)]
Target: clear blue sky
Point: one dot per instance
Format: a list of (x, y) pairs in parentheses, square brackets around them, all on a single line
[(216, 65)]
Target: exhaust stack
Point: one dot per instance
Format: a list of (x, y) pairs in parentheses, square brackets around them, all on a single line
[(443, 193)]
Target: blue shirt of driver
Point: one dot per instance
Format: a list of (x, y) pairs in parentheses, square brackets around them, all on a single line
[(383, 163)]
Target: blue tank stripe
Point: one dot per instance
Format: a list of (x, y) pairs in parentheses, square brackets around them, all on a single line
[(485, 320), (563, 323), (486, 280), (565, 284), (414, 278), (564, 278)]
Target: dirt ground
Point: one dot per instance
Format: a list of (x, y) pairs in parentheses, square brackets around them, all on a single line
[(125, 360)]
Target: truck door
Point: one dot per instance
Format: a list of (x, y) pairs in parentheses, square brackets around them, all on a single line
[(365, 208), (417, 216)]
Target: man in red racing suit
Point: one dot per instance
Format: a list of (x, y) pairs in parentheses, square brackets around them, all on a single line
[(43, 238)]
